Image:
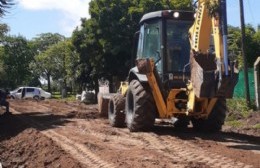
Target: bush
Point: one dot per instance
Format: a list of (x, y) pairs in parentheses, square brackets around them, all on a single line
[(235, 123), (237, 109)]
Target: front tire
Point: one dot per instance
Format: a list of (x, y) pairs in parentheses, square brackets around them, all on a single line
[(116, 114), (140, 108), (214, 121), (36, 98)]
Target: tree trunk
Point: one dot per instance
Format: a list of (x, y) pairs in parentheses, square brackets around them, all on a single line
[(49, 82), (64, 89)]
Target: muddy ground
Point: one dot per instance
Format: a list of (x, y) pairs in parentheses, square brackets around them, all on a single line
[(55, 133)]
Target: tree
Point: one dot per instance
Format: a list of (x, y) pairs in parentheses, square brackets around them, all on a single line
[(16, 56), (252, 43), (59, 62), (5, 4), (65, 60), (39, 45), (43, 41), (3, 30), (104, 41)]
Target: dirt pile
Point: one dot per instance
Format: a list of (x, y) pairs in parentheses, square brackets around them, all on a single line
[(245, 125), (35, 151)]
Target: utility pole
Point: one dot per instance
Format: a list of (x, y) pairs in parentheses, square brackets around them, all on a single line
[(242, 20)]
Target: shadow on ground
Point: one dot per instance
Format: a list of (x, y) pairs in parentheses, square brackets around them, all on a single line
[(237, 141), (12, 125)]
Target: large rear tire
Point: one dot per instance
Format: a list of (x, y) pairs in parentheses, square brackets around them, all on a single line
[(214, 121), (116, 114), (140, 108)]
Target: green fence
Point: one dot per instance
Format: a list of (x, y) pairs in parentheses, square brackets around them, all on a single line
[(239, 91)]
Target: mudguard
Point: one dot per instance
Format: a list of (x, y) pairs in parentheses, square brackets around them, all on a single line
[(134, 74)]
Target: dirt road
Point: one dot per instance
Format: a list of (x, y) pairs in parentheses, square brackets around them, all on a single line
[(68, 134)]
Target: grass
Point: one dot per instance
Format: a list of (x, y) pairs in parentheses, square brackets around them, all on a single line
[(238, 109), (257, 126), (57, 95), (235, 123)]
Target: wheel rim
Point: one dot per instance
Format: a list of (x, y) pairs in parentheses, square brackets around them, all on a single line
[(36, 97), (111, 110), (130, 106)]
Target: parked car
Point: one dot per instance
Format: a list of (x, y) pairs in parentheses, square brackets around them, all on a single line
[(29, 92)]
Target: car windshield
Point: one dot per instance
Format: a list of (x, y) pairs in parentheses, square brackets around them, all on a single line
[(16, 90)]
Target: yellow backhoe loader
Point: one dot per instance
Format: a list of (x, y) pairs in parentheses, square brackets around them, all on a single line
[(182, 71)]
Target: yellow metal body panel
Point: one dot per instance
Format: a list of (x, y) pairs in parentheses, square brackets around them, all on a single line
[(158, 98), (191, 98), (168, 109), (123, 88), (204, 27), (171, 100), (217, 38), (201, 30)]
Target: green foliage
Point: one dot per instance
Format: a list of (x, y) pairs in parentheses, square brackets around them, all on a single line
[(57, 95), (43, 64), (15, 57), (257, 126), (237, 109), (58, 61), (236, 124), (43, 41), (212, 7), (252, 44), (3, 30), (104, 41), (4, 5)]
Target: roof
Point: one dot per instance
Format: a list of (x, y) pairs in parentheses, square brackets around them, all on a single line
[(184, 15)]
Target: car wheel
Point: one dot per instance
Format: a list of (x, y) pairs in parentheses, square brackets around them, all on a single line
[(36, 97)]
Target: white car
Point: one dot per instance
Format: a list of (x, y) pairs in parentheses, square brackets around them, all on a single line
[(29, 92)]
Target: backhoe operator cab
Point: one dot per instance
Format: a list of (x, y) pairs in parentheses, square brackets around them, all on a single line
[(164, 37)]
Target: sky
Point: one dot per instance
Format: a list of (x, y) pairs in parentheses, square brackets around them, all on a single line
[(30, 18)]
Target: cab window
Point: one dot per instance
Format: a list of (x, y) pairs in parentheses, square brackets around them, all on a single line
[(149, 45), (178, 45)]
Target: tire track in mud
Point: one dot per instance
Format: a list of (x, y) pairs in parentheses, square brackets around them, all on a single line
[(185, 151), (123, 136), (180, 151), (173, 148), (78, 151), (112, 135)]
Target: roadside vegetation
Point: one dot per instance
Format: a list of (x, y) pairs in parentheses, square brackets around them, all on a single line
[(58, 96), (241, 116)]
